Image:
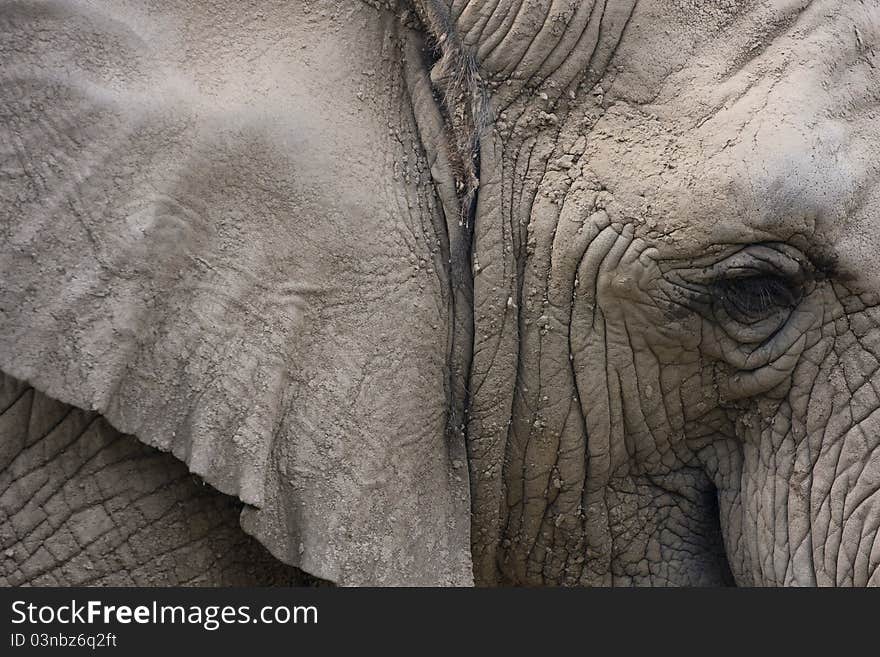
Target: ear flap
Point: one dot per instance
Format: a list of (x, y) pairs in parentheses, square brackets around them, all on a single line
[(249, 278)]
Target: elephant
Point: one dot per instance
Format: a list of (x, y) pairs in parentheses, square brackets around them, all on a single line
[(440, 292)]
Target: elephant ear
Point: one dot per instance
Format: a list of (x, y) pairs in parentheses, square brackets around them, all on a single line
[(209, 234)]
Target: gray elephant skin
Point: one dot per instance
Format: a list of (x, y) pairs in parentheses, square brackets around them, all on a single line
[(440, 292)]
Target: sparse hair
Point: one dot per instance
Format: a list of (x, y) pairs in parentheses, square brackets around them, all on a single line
[(462, 94)]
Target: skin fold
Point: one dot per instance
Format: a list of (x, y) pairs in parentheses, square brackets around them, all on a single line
[(505, 292)]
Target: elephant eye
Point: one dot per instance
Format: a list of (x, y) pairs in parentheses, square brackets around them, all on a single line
[(749, 293), (755, 295)]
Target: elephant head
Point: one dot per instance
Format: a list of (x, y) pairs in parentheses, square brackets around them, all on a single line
[(676, 328), (538, 292)]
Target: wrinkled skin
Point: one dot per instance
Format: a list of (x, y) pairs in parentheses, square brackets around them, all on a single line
[(86, 505), (660, 360), (690, 346)]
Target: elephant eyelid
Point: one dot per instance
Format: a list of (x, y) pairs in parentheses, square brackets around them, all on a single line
[(779, 261), (742, 273)]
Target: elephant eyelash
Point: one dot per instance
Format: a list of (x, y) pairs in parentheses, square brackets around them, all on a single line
[(756, 295)]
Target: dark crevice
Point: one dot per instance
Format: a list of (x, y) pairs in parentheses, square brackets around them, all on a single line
[(452, 79)]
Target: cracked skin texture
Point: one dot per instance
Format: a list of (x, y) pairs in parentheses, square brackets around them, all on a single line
[(665, 341), (83, 505)]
